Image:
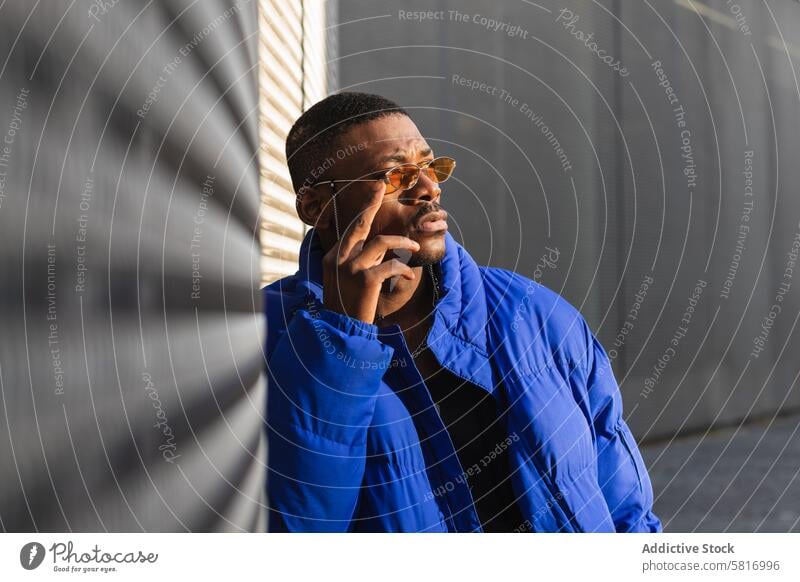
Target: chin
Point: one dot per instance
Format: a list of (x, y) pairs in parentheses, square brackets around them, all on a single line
[(431, 252)]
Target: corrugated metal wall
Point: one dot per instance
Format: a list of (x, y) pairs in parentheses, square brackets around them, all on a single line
[(131, 383), (579, 168), (294, 51)]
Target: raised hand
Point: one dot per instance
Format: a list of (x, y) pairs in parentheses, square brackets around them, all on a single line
[(354, 270)]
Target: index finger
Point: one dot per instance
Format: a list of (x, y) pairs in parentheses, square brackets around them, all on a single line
[(359, 228)]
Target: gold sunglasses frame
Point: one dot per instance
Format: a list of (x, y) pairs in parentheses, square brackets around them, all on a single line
[(385, 177)]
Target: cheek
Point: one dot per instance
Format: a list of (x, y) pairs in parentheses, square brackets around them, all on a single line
[(349, 213), (389, 220)]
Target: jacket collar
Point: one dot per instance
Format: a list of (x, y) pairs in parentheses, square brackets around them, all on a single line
[(458, 335)]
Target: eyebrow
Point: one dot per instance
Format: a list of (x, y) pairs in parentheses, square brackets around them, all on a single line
[(401, 155)]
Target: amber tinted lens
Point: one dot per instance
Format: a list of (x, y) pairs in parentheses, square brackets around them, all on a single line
[(441, 169), (402, 177)]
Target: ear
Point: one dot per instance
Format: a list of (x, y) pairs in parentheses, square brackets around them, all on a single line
[(313, 205)]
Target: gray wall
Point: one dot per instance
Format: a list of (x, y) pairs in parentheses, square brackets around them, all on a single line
[(624, 210), (131, 364)]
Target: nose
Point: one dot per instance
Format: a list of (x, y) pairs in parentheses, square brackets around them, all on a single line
[(425, 190)]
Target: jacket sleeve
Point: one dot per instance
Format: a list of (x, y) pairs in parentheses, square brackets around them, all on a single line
[(622, 474), (324, 373)]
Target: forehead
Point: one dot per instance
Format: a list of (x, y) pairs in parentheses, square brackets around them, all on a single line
[(393, 137)]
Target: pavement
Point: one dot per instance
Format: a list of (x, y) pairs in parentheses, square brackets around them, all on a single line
[(740, 479)]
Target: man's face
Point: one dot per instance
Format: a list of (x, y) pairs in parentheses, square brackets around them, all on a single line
[(368, 150)]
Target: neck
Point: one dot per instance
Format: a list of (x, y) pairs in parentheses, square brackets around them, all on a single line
[(406, 302)]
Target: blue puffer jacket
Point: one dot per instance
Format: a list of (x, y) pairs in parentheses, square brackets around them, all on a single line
[(355, 442)]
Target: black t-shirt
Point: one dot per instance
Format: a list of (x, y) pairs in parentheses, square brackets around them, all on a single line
[(471, 417)]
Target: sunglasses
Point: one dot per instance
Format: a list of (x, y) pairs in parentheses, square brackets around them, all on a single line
[(405, 176)]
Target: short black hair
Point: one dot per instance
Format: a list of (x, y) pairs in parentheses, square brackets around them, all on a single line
[(315, 134)]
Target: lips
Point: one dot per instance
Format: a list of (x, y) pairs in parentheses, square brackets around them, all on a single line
[(433, 222)]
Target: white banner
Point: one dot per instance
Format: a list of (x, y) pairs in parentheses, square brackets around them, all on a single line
[(486, 557)]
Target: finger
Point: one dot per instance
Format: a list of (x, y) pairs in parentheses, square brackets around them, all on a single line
[(359, 228), (334, 255), (338, 255), (391, 269), (374, 251)]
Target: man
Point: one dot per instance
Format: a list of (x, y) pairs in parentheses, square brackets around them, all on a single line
[(411, 389)]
